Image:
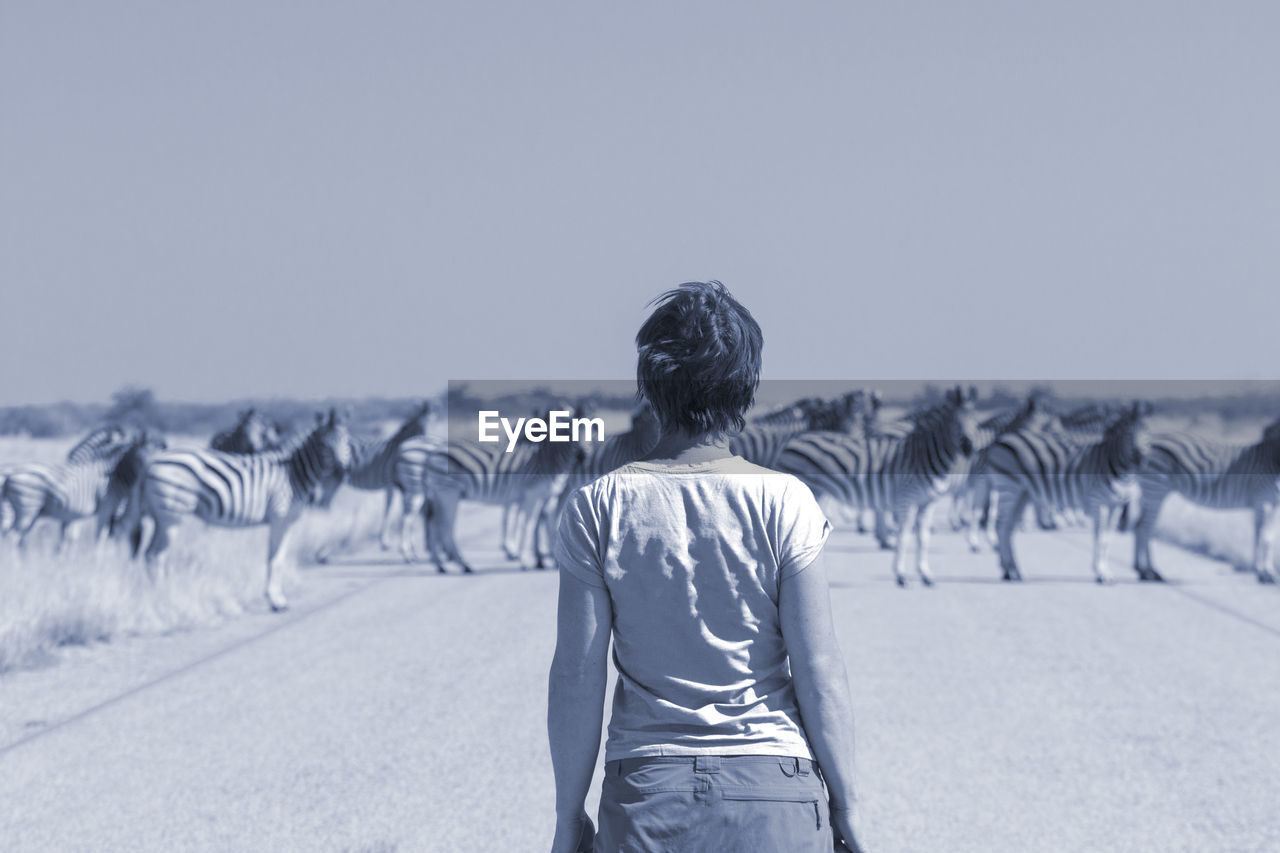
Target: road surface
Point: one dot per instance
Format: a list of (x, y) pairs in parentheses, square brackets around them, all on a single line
[(395, 709)]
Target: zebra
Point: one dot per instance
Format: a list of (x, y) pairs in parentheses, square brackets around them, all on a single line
[(763, 439), (973, 504), (1057, 472), (411, 464), (129, 468), (66, 492), (242, 490), (1213, 475), (251, 434), (613, 453), (900, 477), (874, 425), (374, 467), (487, 473)]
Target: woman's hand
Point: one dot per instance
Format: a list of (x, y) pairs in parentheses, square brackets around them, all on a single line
[(574, 835), (842, 826)]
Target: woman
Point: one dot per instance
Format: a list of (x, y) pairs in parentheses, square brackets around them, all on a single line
[(706, 571)]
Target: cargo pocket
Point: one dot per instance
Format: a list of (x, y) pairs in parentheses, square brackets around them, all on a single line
[(659, 778), (780, 794)]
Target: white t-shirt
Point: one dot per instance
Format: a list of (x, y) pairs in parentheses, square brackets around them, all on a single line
[(692, 557)]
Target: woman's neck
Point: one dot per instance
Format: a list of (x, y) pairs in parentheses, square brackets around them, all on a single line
[(681, 447)]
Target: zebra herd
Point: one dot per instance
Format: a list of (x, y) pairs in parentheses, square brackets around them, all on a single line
[(1100, 462)]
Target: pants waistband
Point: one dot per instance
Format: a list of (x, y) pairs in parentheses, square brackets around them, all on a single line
[(710, 763)]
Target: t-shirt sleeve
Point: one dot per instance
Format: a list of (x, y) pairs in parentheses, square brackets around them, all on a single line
[(803, 529), (578, 541)]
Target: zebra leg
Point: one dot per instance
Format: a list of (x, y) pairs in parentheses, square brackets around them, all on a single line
[(908, 519), (160, 537), (514, 519), (1151, 501), (413, 506), (447, 519), (924, 531), (1015, 505), (1264, 518), (883, 537), (527, 532), (991, 516), (978, 510), (543, 532), (62, 535), (24, 525), (384, 535), (276, 539), (1102, 515)]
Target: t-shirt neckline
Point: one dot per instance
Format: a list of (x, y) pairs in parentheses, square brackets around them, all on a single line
[(705, 465)]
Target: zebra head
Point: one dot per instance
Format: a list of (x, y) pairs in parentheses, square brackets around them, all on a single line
[(1272, 432), (321, 462), (133, 460), (415, 425), (1127, 437), (960, 418)]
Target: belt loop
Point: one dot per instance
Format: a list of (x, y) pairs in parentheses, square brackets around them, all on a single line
[(802, 766), (706, 764)]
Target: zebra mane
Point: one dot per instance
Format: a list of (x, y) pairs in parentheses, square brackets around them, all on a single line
[(1012, 420), (1092, 416), (1272, 431), (99, 444), (414, 426)]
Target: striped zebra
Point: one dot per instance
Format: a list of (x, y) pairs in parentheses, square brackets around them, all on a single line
[(411, 464), (487, 473), (374, 466), (1058, 472), (251, 434), (974, 502), (243, 490), (764, 438), (875, 425), (1219, 476), (593, 463), (122, 481), (903, 478), (65, 492)]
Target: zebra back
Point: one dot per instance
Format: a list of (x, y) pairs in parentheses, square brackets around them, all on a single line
[(1213, 473), (72, 489), (100, 443), (763, 441), (1065, 470), (838, 464), (374, 460), (618, 450), (491, 474)]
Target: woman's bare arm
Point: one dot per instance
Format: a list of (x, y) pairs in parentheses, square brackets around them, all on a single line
[(822, 685), (575, 703)]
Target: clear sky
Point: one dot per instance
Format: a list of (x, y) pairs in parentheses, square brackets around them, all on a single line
[(240, 199)]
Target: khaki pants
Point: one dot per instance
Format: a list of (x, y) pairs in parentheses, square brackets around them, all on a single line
[(713, 804)]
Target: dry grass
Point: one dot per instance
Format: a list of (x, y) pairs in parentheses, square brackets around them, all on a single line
[(1225, 535), (92, 593)]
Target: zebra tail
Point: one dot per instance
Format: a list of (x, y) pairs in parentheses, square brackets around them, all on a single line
[(7, 518)]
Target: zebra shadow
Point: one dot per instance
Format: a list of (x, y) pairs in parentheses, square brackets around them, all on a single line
[(1044, 579), (396, 568)]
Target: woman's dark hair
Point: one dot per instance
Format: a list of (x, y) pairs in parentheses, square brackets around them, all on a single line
[(699, 361)]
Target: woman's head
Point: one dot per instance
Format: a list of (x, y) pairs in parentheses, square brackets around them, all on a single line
[(699, 359)]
